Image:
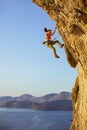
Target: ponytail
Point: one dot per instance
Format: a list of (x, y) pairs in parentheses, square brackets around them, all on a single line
[(45, 30)]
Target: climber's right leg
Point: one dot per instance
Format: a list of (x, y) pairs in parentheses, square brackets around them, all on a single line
[(54, 51)]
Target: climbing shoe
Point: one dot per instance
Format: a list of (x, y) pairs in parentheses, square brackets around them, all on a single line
[(57, 56), (61, 45)]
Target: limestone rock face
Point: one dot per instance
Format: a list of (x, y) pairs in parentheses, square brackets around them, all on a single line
[(71, 19)]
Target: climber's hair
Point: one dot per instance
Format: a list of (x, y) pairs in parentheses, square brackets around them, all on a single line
[(45, 30)]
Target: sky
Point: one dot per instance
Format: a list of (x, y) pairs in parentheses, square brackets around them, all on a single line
[(26, 65)]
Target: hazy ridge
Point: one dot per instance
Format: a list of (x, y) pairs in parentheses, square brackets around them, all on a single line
[(53, 101)]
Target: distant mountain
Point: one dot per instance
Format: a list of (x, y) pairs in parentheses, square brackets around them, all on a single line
[(56, 105), (5, 98), (53, 101), (19, 104)]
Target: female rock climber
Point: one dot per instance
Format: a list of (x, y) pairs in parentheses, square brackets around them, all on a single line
[(50, 43)]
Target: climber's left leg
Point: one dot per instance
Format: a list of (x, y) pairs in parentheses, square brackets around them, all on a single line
[(58, 42)]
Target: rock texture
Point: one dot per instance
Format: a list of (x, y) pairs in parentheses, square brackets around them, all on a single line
[(71, 19)]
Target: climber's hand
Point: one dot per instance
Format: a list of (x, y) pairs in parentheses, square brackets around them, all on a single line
[(56, 27)]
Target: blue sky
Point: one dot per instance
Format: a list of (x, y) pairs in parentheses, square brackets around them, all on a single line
[(27, 66)]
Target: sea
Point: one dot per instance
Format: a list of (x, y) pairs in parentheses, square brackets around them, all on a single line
[(26, 119)]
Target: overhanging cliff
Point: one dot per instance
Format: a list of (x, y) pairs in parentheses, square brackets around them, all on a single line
[(71, 20)]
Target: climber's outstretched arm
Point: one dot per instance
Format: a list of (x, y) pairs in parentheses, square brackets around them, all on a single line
[(54, 31)]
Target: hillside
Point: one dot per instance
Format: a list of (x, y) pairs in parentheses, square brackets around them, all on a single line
[(61, 101)]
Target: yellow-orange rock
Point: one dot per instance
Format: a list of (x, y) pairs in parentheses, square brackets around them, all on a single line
[(71, 20)]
